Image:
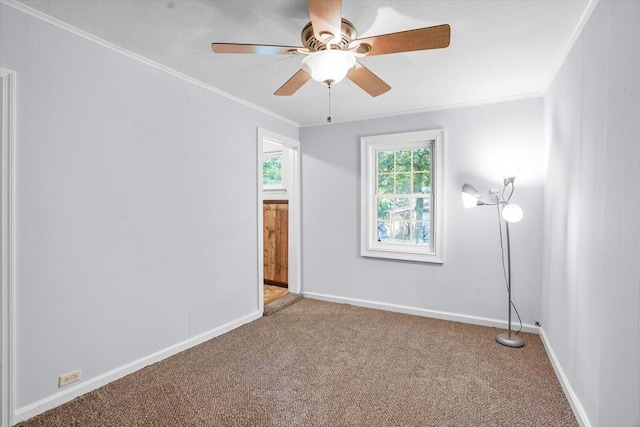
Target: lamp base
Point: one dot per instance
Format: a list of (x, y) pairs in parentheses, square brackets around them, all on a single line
[(510, 340)]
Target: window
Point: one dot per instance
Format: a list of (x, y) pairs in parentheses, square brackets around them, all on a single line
[(402, 184), (275, 168), (272, 169)]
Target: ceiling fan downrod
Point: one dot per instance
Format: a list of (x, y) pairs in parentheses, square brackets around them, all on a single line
[(329, 117)]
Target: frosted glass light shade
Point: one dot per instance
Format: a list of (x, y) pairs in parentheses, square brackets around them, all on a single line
[(328, 66), (512, 213), (470, 196)]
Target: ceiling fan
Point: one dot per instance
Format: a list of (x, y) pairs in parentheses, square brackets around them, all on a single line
[(331, 48)]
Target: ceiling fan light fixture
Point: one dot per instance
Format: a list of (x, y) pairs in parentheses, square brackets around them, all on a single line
[(329, 66), (330, 46)]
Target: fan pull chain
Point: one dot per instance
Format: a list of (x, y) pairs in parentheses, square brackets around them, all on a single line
[(329, 118)]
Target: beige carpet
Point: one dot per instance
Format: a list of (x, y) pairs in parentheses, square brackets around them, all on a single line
[(281, 303), (322, 364)]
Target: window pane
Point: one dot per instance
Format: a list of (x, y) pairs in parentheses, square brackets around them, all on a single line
[(272, 170), (385, 162), (421, 233), (403, 203), (421, 160), (421, 209), (403, 161), (400, 232), (402, 213), (401, 209), (421, 183), (383, 231), (392, 230), (385, 183), (403, 183), (384, 208)]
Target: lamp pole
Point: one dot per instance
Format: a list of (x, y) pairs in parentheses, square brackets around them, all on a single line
[(507, 338), (510, 213)]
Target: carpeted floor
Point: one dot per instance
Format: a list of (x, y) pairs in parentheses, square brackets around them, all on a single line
[(281, 303), (322, 364)]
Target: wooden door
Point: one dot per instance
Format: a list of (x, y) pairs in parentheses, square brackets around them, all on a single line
[(276, 242)]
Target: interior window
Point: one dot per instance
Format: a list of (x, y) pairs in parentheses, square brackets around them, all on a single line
[(272, 169)]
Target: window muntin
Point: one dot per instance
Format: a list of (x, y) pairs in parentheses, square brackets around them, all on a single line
[(401, 177)]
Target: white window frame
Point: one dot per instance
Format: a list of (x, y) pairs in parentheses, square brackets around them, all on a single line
[(369, 147), (284, 172)]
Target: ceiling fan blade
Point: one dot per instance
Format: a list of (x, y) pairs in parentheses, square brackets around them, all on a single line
[(407, 41), (367, 81), (326, 19), (254, 48), (293, 84)]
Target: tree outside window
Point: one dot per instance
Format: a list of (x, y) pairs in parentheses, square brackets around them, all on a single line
[(272, 170)]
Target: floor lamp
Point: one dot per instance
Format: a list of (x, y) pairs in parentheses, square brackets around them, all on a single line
[(510, 213)]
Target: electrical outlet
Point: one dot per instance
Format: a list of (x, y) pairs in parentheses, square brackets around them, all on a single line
[(69, 378)]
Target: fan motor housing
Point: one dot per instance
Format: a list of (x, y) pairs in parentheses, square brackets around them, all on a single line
[(310, 41)]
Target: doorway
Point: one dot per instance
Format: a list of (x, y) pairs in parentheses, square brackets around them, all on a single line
[(278, 214), (276, 246)]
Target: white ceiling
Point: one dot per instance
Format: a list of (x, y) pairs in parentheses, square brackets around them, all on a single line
[(499, 49)]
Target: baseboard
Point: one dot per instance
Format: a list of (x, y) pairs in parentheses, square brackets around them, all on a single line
[(576, 406), (67, 395), (417, 311)]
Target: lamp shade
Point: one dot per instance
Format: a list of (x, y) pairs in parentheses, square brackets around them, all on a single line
[(470, 196), (328, 66), (512, 213)]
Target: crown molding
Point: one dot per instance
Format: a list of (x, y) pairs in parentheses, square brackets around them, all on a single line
[(90, 37)]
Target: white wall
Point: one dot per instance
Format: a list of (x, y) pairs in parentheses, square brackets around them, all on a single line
[(136, 206), (591, 291), (470, 282)]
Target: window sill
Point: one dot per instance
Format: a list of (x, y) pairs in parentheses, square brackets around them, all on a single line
[(274, 190), (404, 255)]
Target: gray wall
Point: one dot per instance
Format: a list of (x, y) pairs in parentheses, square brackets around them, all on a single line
[(591, 292), (136, 206), (477, 140), (136, 228)]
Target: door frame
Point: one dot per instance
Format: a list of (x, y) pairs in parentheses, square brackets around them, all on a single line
[(294, 280), (7, 251)]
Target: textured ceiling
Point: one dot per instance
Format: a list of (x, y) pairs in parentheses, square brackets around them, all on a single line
[(499, 49)]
